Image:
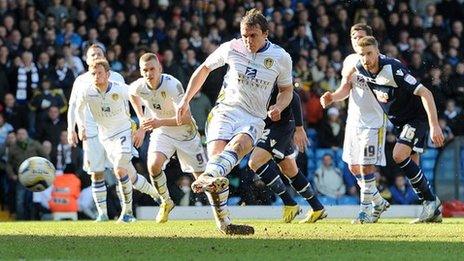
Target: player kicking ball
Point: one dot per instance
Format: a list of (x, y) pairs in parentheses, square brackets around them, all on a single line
[(276, 150), (410, 106), (237, 121), (159, 94)]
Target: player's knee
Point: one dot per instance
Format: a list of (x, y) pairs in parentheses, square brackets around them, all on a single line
[(155, 170), (120, 172), (399, 157), (98, 176), (255, 163), (354, 169)]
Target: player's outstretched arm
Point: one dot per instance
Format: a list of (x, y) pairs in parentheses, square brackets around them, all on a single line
[(80, 119), (342, 92), (71, 115), (196, 81), (139, 135), (284, 97), (436, 133)]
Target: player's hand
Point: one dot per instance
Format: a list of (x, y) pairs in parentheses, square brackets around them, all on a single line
[(300, 139), (138, 137), (437, 135), (150, 124), (82, 134), (326, 99), (72, 138), (181, 110), (274, 112)]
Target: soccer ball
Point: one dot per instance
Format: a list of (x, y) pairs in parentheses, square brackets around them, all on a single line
[(36, 173)]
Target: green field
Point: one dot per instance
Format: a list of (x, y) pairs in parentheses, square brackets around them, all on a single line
[(194, 240)]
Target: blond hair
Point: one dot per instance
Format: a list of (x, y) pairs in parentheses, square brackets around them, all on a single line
[(148, 57), (367, 41), (102, 62)]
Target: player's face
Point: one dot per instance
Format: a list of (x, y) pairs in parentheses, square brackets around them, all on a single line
[(150, 71), (369, 57), (253, 37), (94, 54), (99, 75), (355, 37)]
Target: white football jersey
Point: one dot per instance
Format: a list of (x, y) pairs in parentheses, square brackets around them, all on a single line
[(79, 84), (363, 109), (251, 77), (110, 110), (161, 103)]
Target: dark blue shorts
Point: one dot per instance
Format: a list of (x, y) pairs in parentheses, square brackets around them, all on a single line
[(277, 139), (414, 134)]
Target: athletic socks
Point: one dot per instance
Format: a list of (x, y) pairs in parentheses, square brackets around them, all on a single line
[(161, 186), (269, 174), (99, 196), (141, 184), (301, 184), (125, 188), (222, 164), (369, 193), (218, 203), (417, 179)]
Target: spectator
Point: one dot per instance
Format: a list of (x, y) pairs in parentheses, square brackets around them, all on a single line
[(72, 61), (50, 129), (182, 194), (63, 77), (46, 98), (5, 129), (329, 179), (330, 132), (402, 192), (23, 148), (15, 114), (28, 79), (66, 157)]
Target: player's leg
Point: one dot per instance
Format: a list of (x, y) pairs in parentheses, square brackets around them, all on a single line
[(155, 162), (410, 133), (94, 164), (372, 193), (139, 182), (264, 166), (301, 184)]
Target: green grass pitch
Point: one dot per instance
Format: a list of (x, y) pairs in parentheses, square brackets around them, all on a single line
[(390, 239)]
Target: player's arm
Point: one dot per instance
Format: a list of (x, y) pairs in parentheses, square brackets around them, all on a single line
[(299, 138), (436, 133), (405, 80), (198, 78), (139, 135), (285, 86), (71, 115), (343, 91), (80, 119)]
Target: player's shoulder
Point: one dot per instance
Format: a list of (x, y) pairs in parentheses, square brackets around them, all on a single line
[(351, 60), (393, 62), (118, 86), (137, 83), (278, 53), (84, 77), (116, 77), (169, 83)]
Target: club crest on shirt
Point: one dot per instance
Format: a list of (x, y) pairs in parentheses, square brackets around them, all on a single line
[(163, 94), (381, 96), (268, 62), (115, 96)]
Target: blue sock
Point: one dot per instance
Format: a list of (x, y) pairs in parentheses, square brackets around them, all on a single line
[(301, 184), (417, 179), (269, 174)]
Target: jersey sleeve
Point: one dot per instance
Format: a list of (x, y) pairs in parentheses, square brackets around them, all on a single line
[(285, 70), (176, 91), (219, 57), (349, 64), (133, 88), (71, 115), (404, 79), (116, 77)]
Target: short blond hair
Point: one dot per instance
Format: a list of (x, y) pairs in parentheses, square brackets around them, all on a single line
[(367, 41), (102, 62), (148, 57)]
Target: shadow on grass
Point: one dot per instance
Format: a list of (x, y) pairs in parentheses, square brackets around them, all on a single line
[(174, 248)]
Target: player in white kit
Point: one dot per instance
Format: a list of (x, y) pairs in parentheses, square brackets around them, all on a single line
[(364, 141), (159, 94), (109, 107), (94, 154), (236, 123)]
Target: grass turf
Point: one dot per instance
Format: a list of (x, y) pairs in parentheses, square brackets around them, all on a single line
[(193, 240)]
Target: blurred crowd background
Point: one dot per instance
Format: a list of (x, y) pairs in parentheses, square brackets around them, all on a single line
[(42, 45)]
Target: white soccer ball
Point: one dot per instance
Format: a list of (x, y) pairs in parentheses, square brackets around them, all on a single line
[(36, 173)]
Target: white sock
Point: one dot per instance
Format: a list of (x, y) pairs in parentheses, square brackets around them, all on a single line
[(222, 164), (99, 196), (141, 184), (125, 187), (218, 203), (160, 184), (376, 197)]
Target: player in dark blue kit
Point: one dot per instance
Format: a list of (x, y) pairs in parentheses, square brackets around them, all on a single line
[(276, 149), (409, 106)]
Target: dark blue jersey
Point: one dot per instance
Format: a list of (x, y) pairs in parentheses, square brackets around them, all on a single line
[(395, 88), (291, 113)]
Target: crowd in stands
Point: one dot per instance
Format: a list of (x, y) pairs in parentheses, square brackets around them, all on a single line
[(42, 45)]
